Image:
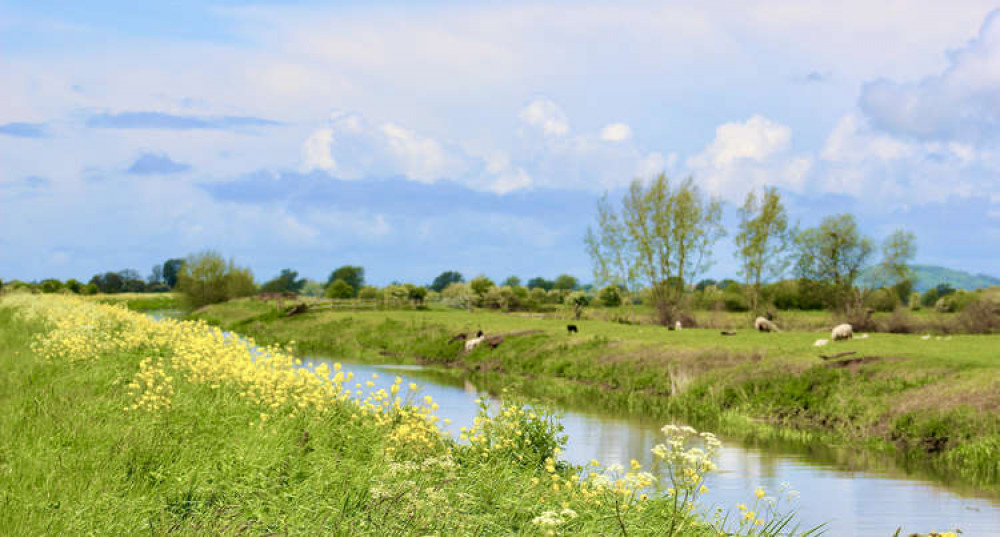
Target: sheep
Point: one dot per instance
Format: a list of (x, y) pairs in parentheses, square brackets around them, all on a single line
[(925, 337), (677, 325), (820, 342), (765, 325), (473, 343), (842, 331), (572, 329)]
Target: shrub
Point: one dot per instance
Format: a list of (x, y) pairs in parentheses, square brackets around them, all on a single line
[(981, 316), (51, 286), (899, 322), (480, 285), (610, 296), (368, 292), (339, 289)]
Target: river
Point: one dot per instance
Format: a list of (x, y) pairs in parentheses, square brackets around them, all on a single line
[(851, 502)]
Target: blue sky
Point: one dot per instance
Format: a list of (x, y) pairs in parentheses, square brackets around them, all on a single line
[(418, 137)]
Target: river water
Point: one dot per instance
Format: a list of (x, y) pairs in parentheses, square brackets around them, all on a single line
[(850, 502)]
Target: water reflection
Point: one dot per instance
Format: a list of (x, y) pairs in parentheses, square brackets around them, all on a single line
[(852, 502)]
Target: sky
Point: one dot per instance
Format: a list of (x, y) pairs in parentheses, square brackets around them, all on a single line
[(417, 137)]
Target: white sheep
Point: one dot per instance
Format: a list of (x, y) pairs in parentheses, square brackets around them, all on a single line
[(842, 331), (471, 344), (677, 325), (765, 325), (925, 337), (820, 342)]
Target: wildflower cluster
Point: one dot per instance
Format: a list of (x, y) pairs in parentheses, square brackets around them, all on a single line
[(270, 377), (152, 388), (515, 431)]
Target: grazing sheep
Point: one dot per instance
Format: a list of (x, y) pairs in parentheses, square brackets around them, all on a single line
[(820, 342), (925, 337), (473, 343), (863, 336), (677, 325), (842, 331), (765, 325), (571, 328)]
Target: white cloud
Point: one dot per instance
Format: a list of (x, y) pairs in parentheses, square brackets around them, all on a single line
[(316, 151), (747, 155), (616, 132), (545, 115)]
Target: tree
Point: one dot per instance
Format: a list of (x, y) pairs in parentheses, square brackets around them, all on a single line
[(762, 243), (417, 293), (352, 275), (109, 282), (610, 296), (74, 285), (287, 281), (171, 268), (541, 283), (480, 285), (835, 254), (206, 278), (511, 281), (339, 289), (132, 281), (445, 279), (51, 286), (156, 275), (662, 236), (565, 282)]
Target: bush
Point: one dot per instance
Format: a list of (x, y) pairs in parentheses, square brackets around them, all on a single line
[(368, 292), (899, 322), (981, 316), (480, 285), (206, 278), (51, 286), (339, 289), (610, 296), (883, 300)]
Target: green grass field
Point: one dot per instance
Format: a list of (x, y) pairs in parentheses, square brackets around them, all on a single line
[(934, 399)]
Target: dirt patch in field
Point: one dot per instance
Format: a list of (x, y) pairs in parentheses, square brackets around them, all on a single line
[(854, 364)]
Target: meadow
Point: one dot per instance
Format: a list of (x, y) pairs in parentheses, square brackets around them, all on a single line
[(930, 399), (112, 422)]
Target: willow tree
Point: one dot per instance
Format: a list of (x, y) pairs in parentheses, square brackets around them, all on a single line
[(661, 237), (763, 242)]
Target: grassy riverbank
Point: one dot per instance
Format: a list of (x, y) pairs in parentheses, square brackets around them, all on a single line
[(935, 400), (113, 423)]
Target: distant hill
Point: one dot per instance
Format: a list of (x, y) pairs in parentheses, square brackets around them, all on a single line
[(930, 276)]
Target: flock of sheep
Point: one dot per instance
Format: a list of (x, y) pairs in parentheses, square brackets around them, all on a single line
[(839, 332)]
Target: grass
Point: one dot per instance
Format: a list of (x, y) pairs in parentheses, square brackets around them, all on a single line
[(113, 424), (934, 402), (140, 301)]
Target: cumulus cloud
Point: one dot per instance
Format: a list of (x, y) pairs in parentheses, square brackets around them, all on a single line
[(616, 132), (350, 148), (154, 163), (546, 116), (160, 120), (746, 155), (962, 102)]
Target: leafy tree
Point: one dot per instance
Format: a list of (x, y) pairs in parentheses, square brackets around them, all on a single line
[(206, 278), (109, 282), (565, 282), (51, 286), (287, 281), (74, 285), (313, 288), (132, 281), (480, 285), (541, 283), (701, 285), (662, 236), (155, 275), (171, 268), (352, 275), (834, 253), (368, 292), (445, 279), (762, 242), (417, 293), (89, 289), (512, 281), (339, 289)]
